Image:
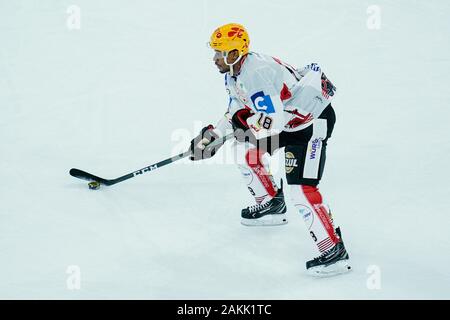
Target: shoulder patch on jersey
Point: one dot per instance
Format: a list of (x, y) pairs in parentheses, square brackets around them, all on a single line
[(262, 102), (328, 89)]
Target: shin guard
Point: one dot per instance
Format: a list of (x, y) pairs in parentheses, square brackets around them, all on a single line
[(308, 200)]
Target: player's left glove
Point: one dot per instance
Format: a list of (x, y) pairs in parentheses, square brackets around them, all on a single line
[(199, 145)]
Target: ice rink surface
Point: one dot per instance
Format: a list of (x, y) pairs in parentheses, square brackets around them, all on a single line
[(133, 85)]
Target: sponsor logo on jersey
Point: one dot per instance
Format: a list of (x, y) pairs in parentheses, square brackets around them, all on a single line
[(318, 99), (314, 146), (262, 102), (313, 67), (291, 162)]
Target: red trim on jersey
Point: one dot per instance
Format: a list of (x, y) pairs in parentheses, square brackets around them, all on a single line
[(298, 114), (299, 119), (314, 197), (285, 93), (277, 60), (253, 158)]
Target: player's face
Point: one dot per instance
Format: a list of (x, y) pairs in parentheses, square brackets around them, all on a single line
[(219, 60)]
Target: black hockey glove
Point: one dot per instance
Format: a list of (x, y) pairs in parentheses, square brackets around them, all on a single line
[(199, 145), (241, 129)]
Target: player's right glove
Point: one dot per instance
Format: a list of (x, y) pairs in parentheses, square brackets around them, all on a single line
[(241, 128), (199, 145)]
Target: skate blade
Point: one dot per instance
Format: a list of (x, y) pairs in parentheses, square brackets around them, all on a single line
[(267, 220), (335, 269)]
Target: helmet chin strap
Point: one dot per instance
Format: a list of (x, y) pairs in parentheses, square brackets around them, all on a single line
[(225, 54)]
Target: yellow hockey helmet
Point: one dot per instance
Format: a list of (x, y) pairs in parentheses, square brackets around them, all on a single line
[(232, 36)]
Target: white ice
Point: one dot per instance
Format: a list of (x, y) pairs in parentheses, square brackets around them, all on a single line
[(133, 84)]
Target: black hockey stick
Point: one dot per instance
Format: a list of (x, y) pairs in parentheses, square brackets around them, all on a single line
[(80, 174)]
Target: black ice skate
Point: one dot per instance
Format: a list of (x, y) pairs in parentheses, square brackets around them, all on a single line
[(331, 262), (271, 213)]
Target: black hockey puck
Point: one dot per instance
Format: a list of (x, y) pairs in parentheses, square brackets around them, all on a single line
[(94, 185)]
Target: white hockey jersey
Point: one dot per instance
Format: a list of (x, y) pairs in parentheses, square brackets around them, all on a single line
[(281, 97)]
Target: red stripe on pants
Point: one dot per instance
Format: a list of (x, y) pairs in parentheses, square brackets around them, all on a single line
[(253, 159)]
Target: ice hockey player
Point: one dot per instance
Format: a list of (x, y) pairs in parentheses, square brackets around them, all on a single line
[(273, 105)]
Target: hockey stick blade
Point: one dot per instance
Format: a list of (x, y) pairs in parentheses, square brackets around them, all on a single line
[(80, 174)]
